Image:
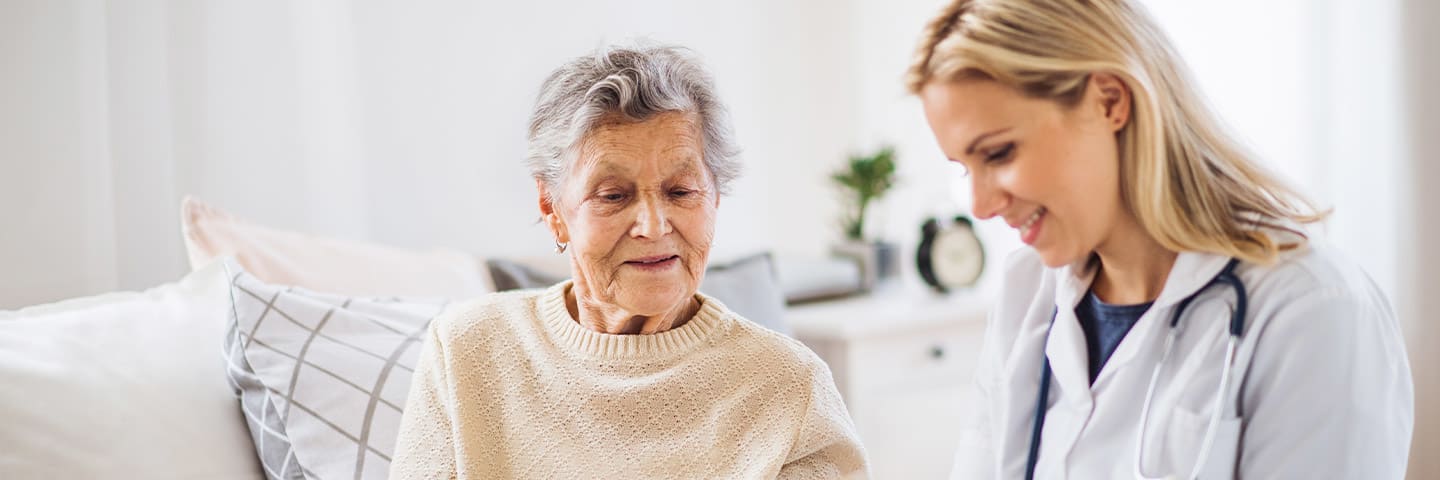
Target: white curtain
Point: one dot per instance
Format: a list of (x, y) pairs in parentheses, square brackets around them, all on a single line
[(115, 110), (395, 122)]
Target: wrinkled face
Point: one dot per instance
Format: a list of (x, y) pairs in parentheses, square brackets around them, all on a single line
[(1051, 172), (638, 210)]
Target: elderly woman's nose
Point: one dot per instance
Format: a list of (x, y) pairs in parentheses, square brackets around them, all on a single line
[(651, 219)]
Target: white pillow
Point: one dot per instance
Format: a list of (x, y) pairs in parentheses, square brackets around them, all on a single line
[(123, 385), (323, 378), (328, 264)]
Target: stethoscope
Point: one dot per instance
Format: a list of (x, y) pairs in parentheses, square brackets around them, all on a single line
[(1237, 326)]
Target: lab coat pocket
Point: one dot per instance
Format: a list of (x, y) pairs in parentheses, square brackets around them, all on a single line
[(1186, 436)]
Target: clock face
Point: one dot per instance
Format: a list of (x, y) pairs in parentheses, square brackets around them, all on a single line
[(956, 257)]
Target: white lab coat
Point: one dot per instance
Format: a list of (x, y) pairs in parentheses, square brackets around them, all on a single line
[(1321, 375)]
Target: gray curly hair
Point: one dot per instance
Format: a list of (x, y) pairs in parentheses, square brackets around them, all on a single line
[(635, 83)]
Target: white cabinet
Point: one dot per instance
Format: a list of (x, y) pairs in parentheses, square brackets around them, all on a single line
[(903, 361)]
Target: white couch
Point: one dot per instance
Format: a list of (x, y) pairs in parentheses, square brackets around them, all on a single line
[(123, 385), (137, 384)]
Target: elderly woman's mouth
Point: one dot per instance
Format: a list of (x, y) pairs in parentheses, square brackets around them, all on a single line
[(654, 263)]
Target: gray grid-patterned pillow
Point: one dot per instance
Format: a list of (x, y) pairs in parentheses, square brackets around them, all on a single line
[(749, 285), (322, 379)]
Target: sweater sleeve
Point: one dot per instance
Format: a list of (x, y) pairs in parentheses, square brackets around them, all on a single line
[(425, 447), (827, 446)]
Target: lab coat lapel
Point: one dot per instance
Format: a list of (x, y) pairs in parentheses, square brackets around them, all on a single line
[(1065, 348)]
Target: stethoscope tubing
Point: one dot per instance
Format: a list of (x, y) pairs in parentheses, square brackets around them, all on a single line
[(1236, 327)]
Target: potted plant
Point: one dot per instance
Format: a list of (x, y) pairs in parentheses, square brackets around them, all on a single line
[(862, 180)]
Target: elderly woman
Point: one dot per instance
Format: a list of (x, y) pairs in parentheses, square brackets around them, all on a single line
[(626, 371)]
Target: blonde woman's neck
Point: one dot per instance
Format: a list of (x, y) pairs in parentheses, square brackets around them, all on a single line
[(1133, 266)]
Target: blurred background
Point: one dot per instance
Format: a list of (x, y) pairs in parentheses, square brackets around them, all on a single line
[(403, 123)]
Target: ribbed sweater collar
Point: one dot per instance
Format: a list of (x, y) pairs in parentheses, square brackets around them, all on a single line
[(708, 322)]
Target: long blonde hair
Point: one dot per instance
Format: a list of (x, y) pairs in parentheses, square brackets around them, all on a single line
[(1189, 184)]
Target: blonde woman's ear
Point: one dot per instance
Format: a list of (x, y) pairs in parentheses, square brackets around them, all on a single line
[(1114, 99)]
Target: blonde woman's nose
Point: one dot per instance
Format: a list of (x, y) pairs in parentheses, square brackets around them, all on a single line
[(987, 200)]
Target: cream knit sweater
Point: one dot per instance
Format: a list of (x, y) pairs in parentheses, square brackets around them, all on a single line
[(510, 386)]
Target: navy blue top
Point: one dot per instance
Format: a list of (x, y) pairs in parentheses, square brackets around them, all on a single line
[(1105, 325)]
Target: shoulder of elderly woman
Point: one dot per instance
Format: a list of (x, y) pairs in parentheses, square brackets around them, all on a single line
[(738, 336), (761, 340), (459, 318)]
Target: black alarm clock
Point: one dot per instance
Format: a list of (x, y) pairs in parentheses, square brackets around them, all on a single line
[(949, 256)]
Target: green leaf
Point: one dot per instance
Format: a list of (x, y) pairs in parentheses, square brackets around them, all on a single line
[(865, 178)]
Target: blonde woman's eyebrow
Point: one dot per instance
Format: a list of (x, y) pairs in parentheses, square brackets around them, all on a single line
[(973, 143)]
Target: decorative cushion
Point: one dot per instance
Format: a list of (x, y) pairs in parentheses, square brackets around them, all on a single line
[(515, 275), (123, 385), (747, 285), (326, 264), (322, 378)]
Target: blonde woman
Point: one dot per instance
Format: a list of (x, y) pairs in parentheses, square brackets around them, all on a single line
[(1170, 317)]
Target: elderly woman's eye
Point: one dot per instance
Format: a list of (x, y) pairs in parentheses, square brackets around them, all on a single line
[(612, 197), (681, 193)]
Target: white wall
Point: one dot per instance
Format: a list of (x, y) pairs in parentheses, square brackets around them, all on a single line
[(393, 122), (453, 87)]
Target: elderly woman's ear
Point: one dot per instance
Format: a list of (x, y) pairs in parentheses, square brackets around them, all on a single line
[(549, 215)]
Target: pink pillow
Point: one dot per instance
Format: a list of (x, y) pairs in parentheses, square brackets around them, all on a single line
[(327, 264)]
